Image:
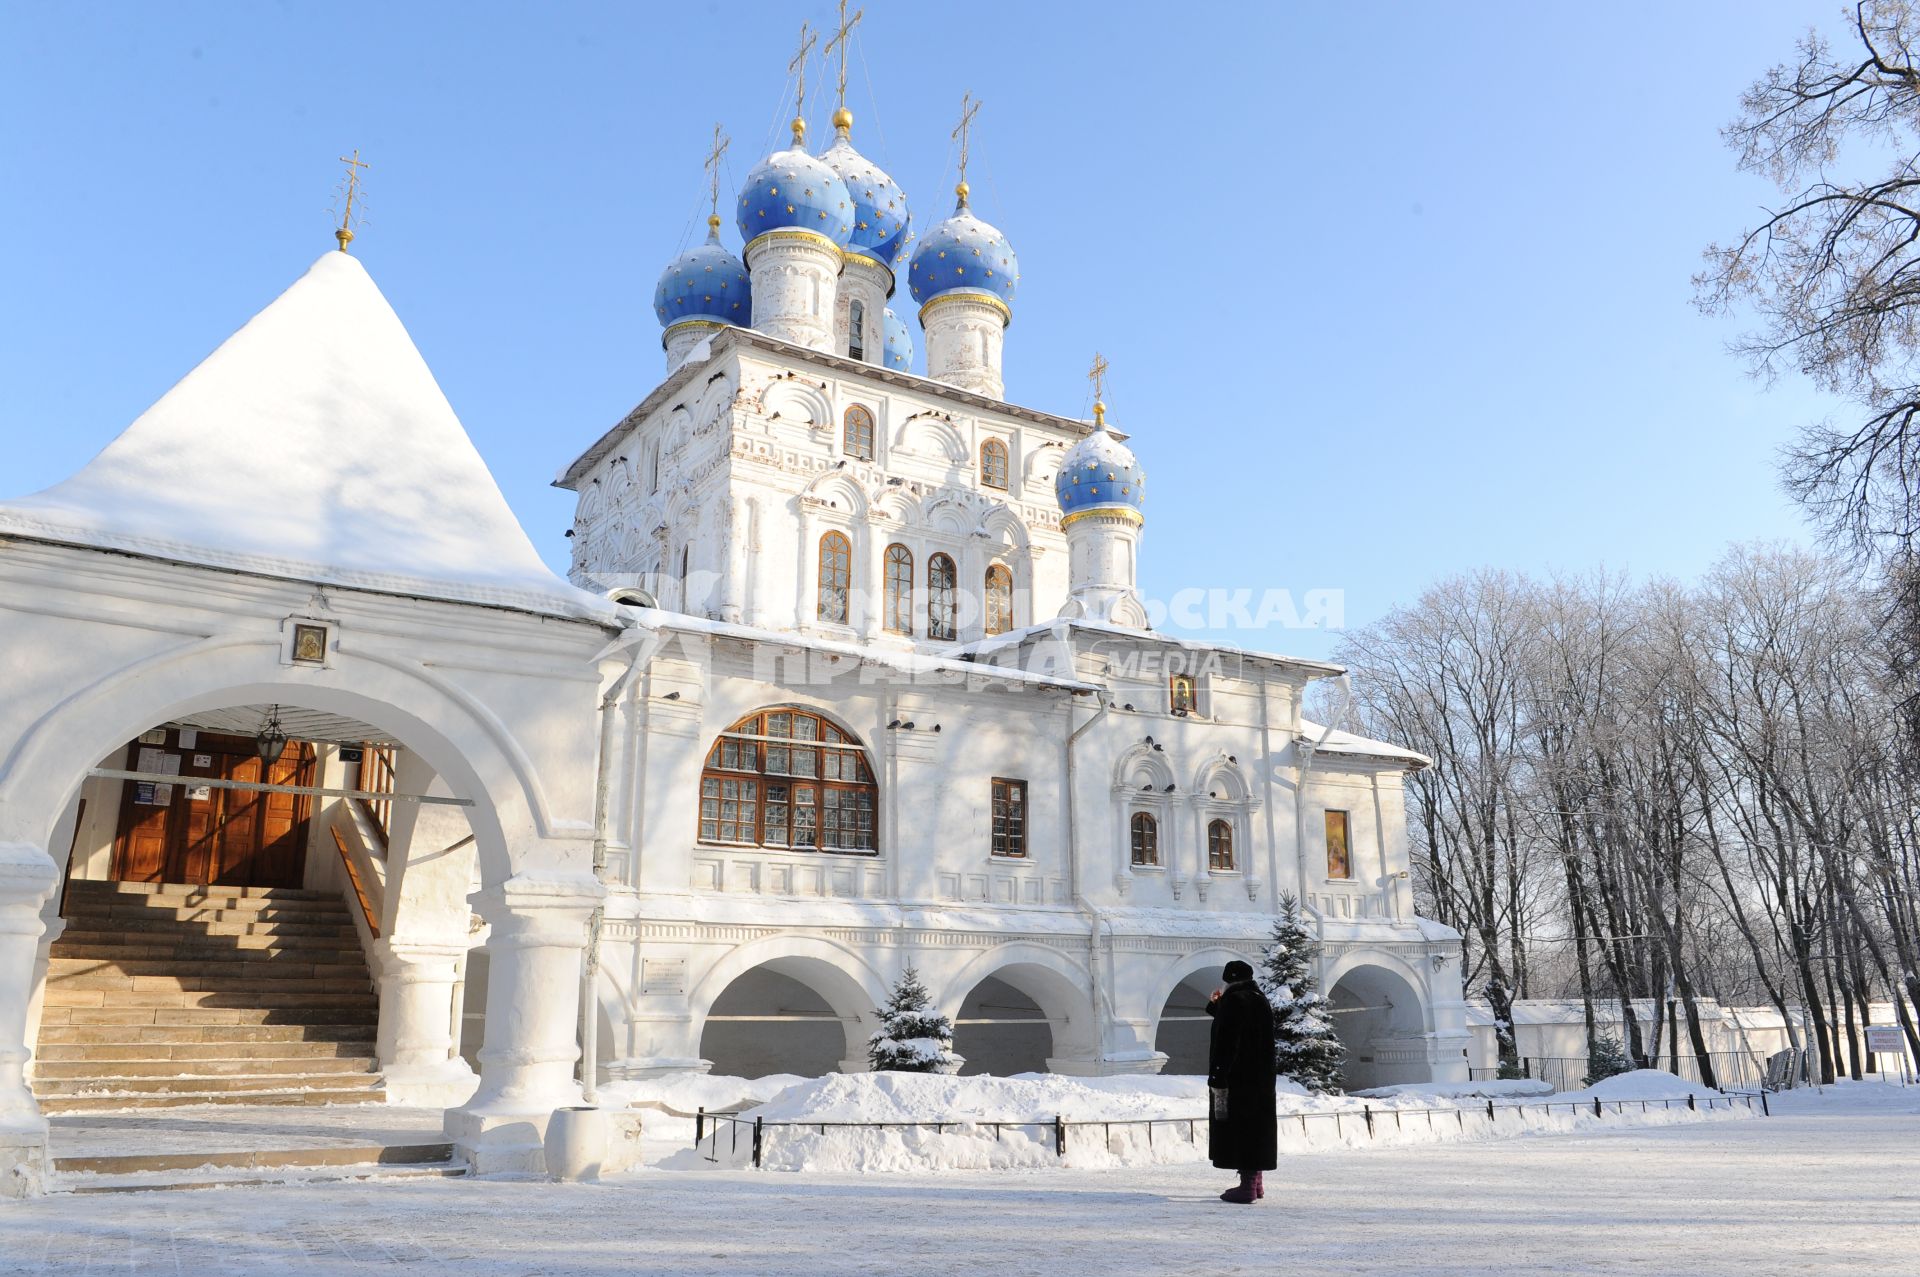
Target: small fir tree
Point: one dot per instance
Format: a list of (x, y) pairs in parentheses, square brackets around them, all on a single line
[(912, 1038), (1305, 1047), (1606, 1058)]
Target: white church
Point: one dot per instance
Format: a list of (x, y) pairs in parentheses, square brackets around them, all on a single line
[(318, 785)]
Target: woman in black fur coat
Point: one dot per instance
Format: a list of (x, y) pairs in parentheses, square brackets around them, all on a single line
[(1242, 1135)]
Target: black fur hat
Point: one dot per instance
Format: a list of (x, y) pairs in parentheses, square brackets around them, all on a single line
[(1235, 971)]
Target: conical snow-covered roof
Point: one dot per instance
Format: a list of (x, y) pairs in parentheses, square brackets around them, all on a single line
[(314, 444)]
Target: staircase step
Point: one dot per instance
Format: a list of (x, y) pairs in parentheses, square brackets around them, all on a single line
[(108, 1072), (204, 908), (190, 1018), (91, 973), (141, 928), (179, 1181), (156, 948), (334, 1030), (116, 1069), (49, 1054), (259, 1159), (179, 1099), (278, 1000), (119, 1084), (83, 888)]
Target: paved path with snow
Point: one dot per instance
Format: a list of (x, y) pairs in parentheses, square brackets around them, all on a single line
[(1818, 1191)]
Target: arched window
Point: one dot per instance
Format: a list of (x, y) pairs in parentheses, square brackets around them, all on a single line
[(1146, 839), (836, 577), (993, 464), (999, 599), (941, 590), (786, 778), (858, 438), (1220, 846), (1180, 694), (899, 586), (856, 330)]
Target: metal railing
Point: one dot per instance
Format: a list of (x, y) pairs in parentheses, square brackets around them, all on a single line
[(708, 1127), (1732, 1070)]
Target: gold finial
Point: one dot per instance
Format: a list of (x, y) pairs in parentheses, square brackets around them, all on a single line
[(354, 165), (962, 131), (843, 118), (1098, 376), (798, 69), (720, 143)]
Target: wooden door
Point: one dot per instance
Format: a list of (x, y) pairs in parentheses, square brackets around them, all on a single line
[(197, 834)]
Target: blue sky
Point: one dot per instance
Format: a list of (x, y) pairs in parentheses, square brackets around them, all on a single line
[(1390, 291)]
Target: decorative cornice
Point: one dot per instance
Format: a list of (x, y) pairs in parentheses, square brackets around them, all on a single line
[(1120, 513), (987, 300), (791, 235)]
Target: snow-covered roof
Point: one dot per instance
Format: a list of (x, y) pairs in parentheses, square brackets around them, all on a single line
[(315, 445), (985, 649), (1334, 741)]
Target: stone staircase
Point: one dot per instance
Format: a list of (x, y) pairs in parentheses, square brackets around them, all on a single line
[(160, 994)]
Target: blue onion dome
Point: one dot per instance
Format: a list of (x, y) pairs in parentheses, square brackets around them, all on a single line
[(793, 191), (880, 217), (963, 255), (1100, 473), (899, 343), (706, 282)]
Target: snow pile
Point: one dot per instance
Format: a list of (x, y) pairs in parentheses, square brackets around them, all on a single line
[(981, 1123), (1645, 1084), (685, 1094)]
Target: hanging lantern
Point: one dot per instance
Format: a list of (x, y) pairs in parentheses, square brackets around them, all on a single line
[(271, 739)]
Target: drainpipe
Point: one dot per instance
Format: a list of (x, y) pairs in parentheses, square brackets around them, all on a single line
[(1074, 873), (644, 645)]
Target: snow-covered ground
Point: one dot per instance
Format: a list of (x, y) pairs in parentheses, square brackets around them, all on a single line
[(1826, 1186)]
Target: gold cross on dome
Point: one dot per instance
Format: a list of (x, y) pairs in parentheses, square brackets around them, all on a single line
[(720, 143), (1097, 374), (354, 165), (841, 42), (798, 69), (962, 131)]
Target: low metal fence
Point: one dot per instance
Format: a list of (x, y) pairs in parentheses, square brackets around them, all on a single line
[(1732, 1070), (709, 1127)]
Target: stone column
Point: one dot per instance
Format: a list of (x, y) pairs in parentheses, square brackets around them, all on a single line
[(27, 878), (533, 1017), (415, 1042)]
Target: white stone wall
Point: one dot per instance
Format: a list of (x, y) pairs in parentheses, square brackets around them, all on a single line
[(740, 475)]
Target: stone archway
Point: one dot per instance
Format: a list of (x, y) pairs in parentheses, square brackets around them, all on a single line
[(786, 1004), (531, 850), (1382, 1021), (786, 1016), (1023, 1009)]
